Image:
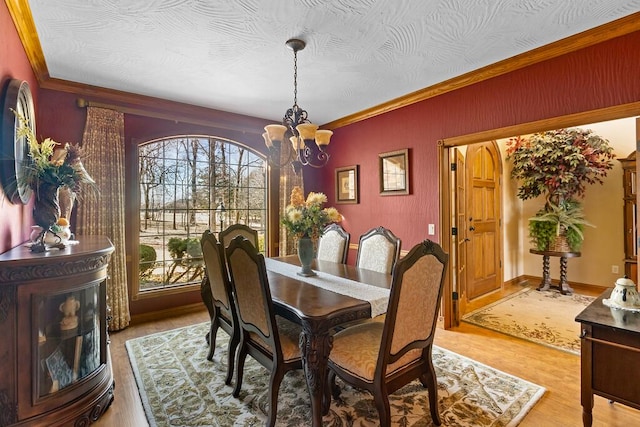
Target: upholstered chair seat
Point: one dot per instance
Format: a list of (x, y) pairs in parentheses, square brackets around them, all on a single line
[(289, 334), (366, 337)]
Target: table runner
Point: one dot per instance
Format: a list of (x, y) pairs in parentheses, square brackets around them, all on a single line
[(376, 296)]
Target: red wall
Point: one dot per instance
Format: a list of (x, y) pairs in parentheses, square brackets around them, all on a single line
[(15, 220), (596, 77)]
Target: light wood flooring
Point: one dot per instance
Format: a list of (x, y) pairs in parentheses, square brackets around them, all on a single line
[(557, 371)]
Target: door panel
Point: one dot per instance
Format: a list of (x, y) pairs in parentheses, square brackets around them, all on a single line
[(461, 226), (483, 204)]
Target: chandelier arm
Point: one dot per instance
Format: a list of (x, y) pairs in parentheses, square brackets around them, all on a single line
[(275, 157), (315, 158)]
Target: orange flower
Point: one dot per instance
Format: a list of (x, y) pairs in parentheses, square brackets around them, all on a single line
[(297, 196)]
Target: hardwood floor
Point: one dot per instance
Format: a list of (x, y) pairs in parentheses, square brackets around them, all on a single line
[(557, 371)]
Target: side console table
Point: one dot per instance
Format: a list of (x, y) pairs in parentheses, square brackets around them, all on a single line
[(56, 368), (546, 284), (610, 354)]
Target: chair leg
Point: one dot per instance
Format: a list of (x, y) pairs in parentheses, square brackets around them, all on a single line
[(240, 357), (233, 344), (274, 388), (212, 337), (430, 381), (331, 382), (381, 397)]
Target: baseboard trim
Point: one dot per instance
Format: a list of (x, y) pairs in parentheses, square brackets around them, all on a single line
[(169, 312), (536, 280)]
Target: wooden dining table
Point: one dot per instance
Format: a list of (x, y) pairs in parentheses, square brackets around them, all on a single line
[(319, 311)]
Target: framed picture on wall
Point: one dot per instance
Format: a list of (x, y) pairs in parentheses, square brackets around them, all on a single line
[(347, 184), (394, 172)]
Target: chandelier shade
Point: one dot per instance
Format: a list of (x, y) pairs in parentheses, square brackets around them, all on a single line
[(307, 141)]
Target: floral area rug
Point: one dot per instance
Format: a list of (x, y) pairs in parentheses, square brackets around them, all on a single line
[(180, 387), (544, 317)]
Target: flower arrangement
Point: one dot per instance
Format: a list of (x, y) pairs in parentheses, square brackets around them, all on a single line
[(307, 218), (50, 167), (52, 163)]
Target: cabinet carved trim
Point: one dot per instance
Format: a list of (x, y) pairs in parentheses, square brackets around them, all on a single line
[(34, 272)]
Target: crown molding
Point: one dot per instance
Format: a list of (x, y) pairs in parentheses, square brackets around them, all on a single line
[(23, 20)]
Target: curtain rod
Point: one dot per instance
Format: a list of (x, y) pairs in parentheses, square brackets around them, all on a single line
[(83, 103)]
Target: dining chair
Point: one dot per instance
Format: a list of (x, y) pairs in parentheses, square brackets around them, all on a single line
[(333, 244), (271, 340), (225, 237), (378, 250), (234, 230), (383, 357), (223, 314)]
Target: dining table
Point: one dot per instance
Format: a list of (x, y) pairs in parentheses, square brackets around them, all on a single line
[(319, 310)]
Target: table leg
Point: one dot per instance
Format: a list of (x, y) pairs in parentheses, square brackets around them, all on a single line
[(587, 417), (587, 407), (546, 278), (315, 350), (564, 285)]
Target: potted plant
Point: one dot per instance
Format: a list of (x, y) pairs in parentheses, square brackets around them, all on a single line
[(558, 227), (558, 164)]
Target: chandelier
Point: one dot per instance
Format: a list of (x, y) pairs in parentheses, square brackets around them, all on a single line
[(307, 141)]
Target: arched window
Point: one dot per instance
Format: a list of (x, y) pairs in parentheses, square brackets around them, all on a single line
[(188, 184)]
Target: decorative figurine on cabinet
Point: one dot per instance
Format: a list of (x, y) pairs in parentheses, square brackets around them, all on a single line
[(69, 309)]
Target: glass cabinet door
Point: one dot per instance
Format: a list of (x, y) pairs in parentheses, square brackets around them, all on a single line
[(69, 337)]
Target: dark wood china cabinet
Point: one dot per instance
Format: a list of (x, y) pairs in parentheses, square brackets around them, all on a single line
[(55, 366)]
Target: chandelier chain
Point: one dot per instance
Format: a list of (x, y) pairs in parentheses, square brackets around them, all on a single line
[(295, 77)]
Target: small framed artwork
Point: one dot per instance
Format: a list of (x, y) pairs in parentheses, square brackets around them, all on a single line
[(394, 172), (347, 184)]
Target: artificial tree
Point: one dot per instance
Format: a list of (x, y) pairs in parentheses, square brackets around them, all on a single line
[(559, 164)]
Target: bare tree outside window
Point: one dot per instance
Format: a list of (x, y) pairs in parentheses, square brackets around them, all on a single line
[(182, 181)]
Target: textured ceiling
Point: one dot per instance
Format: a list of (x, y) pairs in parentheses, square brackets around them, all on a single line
[(231, 55)]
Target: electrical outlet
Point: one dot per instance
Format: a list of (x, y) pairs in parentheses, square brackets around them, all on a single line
[(614, 269), (432, 229)]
